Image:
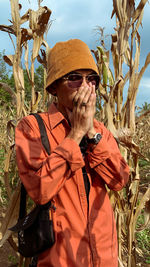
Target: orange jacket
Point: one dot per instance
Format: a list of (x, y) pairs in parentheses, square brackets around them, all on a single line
[(84, 236)]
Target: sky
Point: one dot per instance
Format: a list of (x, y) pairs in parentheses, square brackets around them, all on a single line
[(79, 19)]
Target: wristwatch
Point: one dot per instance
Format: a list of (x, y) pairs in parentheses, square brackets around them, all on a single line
[(95, 140)]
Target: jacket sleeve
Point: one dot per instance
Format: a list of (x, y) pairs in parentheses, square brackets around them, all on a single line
[(107, 160), (43, 175)]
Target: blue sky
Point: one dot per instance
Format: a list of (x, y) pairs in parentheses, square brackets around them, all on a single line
[(78, 19)]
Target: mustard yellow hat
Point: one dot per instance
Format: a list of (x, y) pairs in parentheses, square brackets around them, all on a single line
[(66, 57)]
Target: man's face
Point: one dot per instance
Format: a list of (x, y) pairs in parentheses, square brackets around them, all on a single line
[(66, 90)]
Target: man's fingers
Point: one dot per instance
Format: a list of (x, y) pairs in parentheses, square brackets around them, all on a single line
[(82, 96), (92, 101), (69, 114)]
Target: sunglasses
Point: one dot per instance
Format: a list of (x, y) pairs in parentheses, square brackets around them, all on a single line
[(76, 79)]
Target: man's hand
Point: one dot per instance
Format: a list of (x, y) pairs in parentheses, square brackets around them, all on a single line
[(82, 115)]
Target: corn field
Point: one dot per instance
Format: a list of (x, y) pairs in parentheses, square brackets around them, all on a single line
[(117, 113)]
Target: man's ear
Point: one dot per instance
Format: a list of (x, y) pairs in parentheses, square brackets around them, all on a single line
[(53, 88)]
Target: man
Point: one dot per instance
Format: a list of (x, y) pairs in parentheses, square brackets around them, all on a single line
[(84, 158)]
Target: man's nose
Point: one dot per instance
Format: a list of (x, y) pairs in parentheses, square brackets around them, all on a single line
[(84, 81)]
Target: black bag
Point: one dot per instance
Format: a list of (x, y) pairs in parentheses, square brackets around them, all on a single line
[(35, 230)]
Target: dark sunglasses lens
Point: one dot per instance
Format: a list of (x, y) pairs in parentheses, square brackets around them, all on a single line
[(94, 79), (74, 77), (74, 80)]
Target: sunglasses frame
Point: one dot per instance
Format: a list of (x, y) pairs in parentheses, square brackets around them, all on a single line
[(66, 77)]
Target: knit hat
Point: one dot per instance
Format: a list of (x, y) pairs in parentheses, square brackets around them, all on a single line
[(66, 57)]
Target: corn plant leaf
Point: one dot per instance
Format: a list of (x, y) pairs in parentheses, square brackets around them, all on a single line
[(137, 55), (24, 18), (140, 75), (8, 29), (138, 10), (42, 59), (13, 243), (110, 124), (11, 124), (38, 20), (139, 22), (26, 60), (120, 263), (26, 34), (36, 46), (37, 100), (144, 203), (117, 9), (11, 215), (8, 89), (15, 15), (9, 59)]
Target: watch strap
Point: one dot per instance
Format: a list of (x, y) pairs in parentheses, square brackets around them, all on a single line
[(95, 139)]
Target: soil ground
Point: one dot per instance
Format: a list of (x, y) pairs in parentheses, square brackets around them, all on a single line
[(8, 257)]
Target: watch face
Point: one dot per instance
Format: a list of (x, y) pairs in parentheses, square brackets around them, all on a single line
[(97, 138)]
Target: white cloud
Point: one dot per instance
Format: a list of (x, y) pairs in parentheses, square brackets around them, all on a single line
[(145, 82)]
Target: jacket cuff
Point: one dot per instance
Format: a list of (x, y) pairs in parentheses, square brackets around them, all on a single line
[(70, 151), (99, 153)]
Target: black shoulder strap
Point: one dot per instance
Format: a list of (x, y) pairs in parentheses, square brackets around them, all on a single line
[(46, 144), (44, 138)]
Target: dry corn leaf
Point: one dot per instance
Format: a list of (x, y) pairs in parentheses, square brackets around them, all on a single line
[(26, 34), (38, 40), (110, 123), (18, 77), (24, 18), (6, 171), (144, 203), (26, 60), (11, 215), (109, 73), (11, 132), (139, 22), (138, 10), (7, 185), (137, 55), (38, 20), (8, 89), (147, 62), (124, 135), (21, 261), (127, 56), (140, 75), (15, 15), (43, 17), (9, 59), (46, 46), (120, 263), (13, 243), (38, 97), (7, 160), (42, 59), (1, 199), (117, 4), (114, 52), (8, 29), (27, 262)]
